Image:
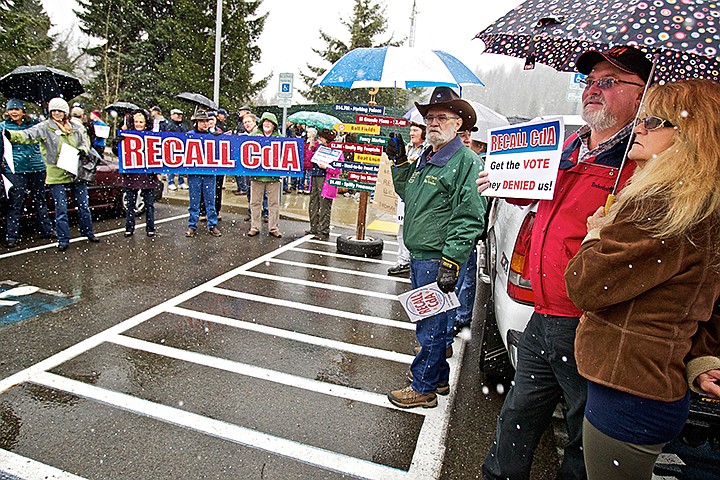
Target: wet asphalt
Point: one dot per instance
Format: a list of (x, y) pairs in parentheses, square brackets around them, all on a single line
[(230, 357)]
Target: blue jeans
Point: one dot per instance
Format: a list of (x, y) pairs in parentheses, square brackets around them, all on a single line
[(206, 185), (34, 183), (62, 224), (466, 291), (171, 179), (546, 371), (149, 198), (242, 183), (452, 314), (430, 366)]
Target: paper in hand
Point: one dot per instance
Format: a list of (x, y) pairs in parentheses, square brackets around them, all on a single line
[(7, 184), (7, 153), (426, 301), (69, 158)]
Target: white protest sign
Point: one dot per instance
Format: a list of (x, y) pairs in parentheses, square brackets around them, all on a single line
[(102, 131), (324, 156), (69, 158), (426, 301), (523, 159), (7, 153)]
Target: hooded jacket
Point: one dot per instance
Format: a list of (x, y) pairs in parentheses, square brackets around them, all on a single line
[(259, 132)]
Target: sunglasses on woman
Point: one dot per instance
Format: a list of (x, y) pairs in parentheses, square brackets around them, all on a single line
[(653, 123)]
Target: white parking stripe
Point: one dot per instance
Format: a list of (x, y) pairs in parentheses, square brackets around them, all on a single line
[(27, 468), (340, 255), (83, 239), (324, 286), (313, 308), (258, 372), (287, 448), (312, 266), (298, 337)]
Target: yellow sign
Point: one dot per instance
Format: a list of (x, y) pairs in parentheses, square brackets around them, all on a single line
[(366, 158), (356, 128)]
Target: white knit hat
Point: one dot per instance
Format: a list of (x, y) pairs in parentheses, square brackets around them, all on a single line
[(59, 104)]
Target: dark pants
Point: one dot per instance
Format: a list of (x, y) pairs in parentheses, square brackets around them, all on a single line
[(219, 182), (149, 199), (62, 221), (35, 184), (546, 371), (320, 208)]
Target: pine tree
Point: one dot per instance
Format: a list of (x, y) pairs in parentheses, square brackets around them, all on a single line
[(368, 21), (24, 37)]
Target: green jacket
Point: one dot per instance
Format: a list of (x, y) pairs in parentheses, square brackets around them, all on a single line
[(259, 132), (444, 213)]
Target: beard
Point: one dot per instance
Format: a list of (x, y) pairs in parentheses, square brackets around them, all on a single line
[(439, 138), (598, 120)]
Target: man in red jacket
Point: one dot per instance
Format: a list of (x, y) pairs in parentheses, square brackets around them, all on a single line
[(546, 369)]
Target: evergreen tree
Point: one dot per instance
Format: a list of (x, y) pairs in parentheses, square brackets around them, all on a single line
[(155, 49), (368, 21), (24, 38)]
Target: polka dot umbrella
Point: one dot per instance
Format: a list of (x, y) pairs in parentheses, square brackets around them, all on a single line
[(683, 36)]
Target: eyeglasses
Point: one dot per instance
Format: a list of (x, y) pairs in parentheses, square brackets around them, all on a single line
[(653, 123), (442, 119), (605, 83)]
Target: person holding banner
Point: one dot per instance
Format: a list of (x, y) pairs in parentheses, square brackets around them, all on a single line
[(202, 186), (261, 186), (145, 182), (443, 218), (62, 142), (647, 277), (546, 368), (28, 174)]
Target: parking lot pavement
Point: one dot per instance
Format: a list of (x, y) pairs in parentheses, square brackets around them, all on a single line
[(278, 368)]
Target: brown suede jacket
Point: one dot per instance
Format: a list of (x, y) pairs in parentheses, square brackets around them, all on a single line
[(647, 303)]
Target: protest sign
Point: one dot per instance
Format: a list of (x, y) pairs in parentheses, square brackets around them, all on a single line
[(385, 199), (325, 156), (192, 153), (426, 301), (523, 159)]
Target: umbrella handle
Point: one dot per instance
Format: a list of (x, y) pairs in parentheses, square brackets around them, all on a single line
[(608, 203)]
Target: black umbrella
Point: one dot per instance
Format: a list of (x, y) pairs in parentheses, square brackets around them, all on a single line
[(39, 84), (197, 99), (122, 107)]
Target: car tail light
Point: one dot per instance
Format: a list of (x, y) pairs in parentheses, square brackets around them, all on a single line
[(518, 285)]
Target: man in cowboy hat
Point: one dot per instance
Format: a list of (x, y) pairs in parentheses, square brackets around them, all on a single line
[(202, 187), (546, 368), (443, 218)]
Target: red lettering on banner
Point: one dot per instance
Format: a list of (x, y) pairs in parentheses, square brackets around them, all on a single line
[(518, 184), (290, 157), (251, 156), (210, 159), (173, 151), (270, 156), (132, 152), (193, 154), (536, 163), (154, 149), (225, 154)]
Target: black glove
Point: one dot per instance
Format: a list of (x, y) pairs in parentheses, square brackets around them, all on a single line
[(395, 150), (447, 275)]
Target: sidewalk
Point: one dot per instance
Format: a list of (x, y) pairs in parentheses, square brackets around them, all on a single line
[(294, 206)]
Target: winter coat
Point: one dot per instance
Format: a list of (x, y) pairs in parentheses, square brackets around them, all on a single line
[(259, 133), (644, 299), (173, 126), (328, 191), (580, 188), (444, 215), (50, 137), (27, 158)]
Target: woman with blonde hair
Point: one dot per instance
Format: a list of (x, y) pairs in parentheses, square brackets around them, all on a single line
[(647, 277)]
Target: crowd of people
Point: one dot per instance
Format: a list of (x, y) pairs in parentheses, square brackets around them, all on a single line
[(626, 319)]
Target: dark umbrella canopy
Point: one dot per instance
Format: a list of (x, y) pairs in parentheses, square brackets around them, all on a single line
[(197, 99), (685, 35), (39, 84), (122, 107)]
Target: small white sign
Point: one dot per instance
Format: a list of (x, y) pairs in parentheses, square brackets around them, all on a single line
[(324, 156), (523, 159), (284, 102), (426, 301), (7, 152), (102, 131), (7, 184), (69, 158)]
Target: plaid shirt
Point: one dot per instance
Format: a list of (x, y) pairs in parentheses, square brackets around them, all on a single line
[(414, 152), (584, 134)]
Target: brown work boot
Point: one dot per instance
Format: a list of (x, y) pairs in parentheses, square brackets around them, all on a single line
[(409, 398), (441, 389), (215, 232), (190, 232)]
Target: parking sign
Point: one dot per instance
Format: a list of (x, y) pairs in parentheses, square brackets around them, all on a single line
[(285, 86)]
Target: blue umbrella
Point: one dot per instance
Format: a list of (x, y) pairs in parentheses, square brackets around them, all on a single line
[(399, 67)]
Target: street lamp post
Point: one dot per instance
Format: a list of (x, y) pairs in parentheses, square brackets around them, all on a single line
[(218, 39)]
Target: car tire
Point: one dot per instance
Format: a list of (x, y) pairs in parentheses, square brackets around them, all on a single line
[(369, 247), (139, 204)]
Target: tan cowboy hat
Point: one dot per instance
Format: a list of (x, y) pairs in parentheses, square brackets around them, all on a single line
[(447, 98)]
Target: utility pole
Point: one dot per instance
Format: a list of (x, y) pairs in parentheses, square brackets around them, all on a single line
[(218, 43), (413, 14)]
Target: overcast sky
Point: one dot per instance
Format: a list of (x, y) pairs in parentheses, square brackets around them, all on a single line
[(292, 28)]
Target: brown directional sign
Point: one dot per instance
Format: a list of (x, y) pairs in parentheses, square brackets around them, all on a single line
[(362, 177), (381, 121), (357, 148)]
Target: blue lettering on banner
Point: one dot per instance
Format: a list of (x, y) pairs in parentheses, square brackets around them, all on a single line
[(193, 153)]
